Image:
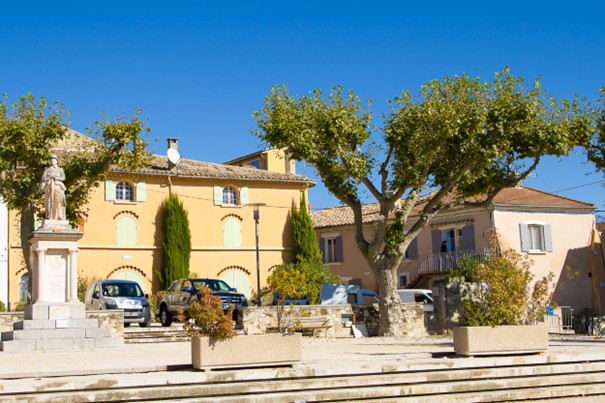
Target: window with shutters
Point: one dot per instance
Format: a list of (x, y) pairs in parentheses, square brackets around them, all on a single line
[(536, 237), (454, 239), (230, 196), (403, 280), (331, 248), (125, 191)]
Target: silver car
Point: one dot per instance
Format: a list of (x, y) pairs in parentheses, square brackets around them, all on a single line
[(120, 294)]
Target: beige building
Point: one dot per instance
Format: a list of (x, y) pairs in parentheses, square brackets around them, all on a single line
[(123, 235), (557, 233)]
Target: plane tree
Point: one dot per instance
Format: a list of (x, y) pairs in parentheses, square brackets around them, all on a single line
[(458, 141), (31, 130), (596, 148)]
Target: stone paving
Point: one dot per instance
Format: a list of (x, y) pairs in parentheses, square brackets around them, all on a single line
[(316, 352)]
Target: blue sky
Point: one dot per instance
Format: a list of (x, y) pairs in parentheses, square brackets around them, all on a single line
[(199, 69)]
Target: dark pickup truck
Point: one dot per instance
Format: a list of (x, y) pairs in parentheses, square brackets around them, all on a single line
[(182, 292)]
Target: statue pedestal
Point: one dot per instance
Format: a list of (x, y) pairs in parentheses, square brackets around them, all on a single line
[(56, 319)]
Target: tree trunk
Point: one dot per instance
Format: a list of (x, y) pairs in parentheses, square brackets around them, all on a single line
[(27, 222), (391, 313)]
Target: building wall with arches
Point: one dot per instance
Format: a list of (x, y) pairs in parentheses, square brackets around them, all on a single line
[(125, 236)]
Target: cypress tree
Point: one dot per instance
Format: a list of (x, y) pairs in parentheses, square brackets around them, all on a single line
[(177, 242), (306, 247)]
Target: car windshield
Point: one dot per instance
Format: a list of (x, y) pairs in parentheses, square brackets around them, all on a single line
[(214, 285), (122, 290)]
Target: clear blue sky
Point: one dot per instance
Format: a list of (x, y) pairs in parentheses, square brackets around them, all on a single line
[(199, 69)]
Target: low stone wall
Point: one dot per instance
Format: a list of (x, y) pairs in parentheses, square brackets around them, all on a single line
[(262, 320), (113, 319)]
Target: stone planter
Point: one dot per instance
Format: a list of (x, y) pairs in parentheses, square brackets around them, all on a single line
[(246, 351), (487, 340)]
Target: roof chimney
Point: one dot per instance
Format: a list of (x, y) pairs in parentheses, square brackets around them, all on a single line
[(173, 143)]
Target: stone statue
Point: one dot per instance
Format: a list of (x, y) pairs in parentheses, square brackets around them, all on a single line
[(54, 190)]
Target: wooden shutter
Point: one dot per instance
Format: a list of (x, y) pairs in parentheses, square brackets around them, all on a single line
[(468, 237), (110, 191), (412, 252), (218, 195), (322, 248), (232, 232), (126, 231), (436, 236), (547, 238), (525, 238), (339, 253), (141, 192), (243, 195)]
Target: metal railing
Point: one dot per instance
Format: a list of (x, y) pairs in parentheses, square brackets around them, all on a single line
[(559, 319), (443, 262)]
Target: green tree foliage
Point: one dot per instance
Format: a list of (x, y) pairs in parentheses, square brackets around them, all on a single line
[(31, 130), (177, 242), (596, 149), (506, 293), (460, 137), (308, 259)]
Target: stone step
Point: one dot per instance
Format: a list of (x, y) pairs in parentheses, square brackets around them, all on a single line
[(412, 381)]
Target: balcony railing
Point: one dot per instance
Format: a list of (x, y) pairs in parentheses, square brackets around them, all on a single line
[(443, 262)]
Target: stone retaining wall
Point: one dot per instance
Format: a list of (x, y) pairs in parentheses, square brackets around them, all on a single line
[(113, 319), (413, 319)]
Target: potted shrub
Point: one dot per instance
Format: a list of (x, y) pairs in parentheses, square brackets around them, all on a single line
[(214, 345), (501, 313)]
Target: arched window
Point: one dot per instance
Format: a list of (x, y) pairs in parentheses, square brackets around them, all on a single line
[(236, 278), (229, 195), (126, 231), (124, 192)]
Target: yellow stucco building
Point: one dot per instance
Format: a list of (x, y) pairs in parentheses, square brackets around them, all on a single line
[(123, 232)]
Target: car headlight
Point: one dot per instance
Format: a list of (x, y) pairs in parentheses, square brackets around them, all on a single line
[(111, 304)]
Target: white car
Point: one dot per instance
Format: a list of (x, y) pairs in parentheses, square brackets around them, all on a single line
[(120, 294)]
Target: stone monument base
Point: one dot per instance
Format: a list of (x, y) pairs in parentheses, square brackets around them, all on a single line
[(57, 327)]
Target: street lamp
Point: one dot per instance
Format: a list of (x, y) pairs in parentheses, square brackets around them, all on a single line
[(256, 219)]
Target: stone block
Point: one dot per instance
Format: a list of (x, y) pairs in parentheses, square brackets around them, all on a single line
[(98, 332), (487, 340), (109, 342), (18, 346), (40, 334), (34, 324), (37, 311), (64, 344)]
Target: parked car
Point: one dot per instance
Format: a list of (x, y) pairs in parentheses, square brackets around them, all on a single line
[(183, 292), (120, 294), (418, 295), (338, 294)]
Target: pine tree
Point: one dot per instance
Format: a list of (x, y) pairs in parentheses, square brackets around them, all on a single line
[(177, 242)]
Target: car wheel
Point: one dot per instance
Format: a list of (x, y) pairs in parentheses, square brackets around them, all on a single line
[(165, 317)]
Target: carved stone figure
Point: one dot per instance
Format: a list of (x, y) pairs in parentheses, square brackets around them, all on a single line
[(54, 190)]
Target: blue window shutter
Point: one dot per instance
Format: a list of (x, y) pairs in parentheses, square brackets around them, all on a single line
[(525, 243), (339, 254), (468, 237), (412, 252), (110, 191), (436, 237), (218, 195), (243, 195), (547, 238), (141, 192), (232, 232)]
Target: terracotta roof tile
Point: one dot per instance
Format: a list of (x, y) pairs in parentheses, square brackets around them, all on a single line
[(516, 196)]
